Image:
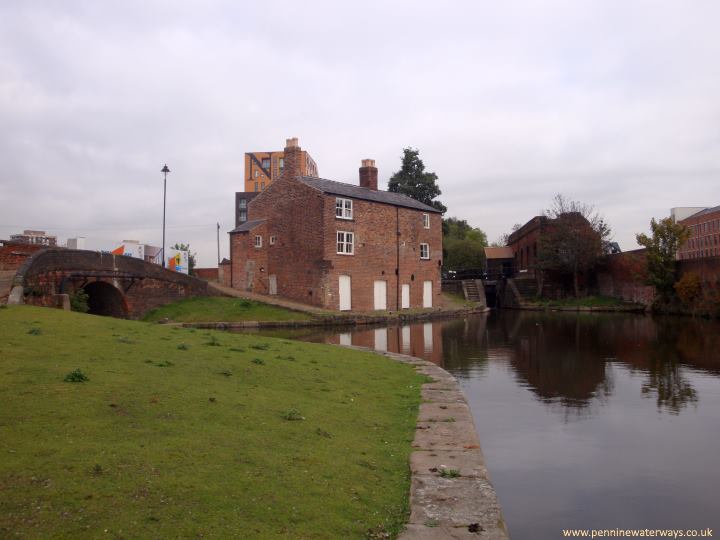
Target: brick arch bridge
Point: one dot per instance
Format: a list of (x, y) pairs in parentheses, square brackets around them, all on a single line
[(116, 285)]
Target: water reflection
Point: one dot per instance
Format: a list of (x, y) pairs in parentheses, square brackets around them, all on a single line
[(586, 420), (563, 358)]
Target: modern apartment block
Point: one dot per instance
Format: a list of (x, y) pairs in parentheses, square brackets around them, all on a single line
[(336, 245), (704, 238), (39, 238), (263, 168)]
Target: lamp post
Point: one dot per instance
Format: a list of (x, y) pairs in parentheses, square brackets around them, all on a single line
[(164, 170)]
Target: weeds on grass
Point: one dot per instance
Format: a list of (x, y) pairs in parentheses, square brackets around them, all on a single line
[(227, 373), (323, 433), (292, 414), (125, 340), (237, 349), (258, 361), (164, 363), (449, 473), (245, 304), (76, 376), (288, 357), (97, 470), (260, 346), (183, 347), (213, 342), (35, 331), (451, 419)]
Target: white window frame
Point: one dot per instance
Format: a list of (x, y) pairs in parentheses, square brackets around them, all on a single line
[(242, 204), (427, 251), (258, 241), (343, 208), (273, 239), (426, 221), (347, 240)]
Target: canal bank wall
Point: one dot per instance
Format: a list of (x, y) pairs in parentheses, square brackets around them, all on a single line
[(451, 496)]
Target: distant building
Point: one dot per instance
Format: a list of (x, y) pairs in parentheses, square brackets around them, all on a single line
[(76, 243), (499, 262), (242, 198), (263, 168), (34, 237), (704, 238)]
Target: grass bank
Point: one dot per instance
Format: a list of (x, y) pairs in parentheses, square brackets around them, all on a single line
[(186, 433), (221, 308)]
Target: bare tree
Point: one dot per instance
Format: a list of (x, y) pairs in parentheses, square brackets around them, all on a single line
[(575, 237)]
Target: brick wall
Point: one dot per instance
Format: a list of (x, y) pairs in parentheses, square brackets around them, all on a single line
[(13, 254), (208, 274), (623, 276), (143, 286), (384, 236)]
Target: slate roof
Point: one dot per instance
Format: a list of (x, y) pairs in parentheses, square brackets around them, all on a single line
[(248, 226), (357, 192), (703, 212)]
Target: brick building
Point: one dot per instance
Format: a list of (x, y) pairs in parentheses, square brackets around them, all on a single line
[(263, 168), (336, 245), (704, 238), (524, 243)]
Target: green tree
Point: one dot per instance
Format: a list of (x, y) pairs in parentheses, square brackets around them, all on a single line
[(413, 181), (573, 240), (191, 256), (463, 245), (661, 248)]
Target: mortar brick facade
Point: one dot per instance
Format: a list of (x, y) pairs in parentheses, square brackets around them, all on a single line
[(299, 213)]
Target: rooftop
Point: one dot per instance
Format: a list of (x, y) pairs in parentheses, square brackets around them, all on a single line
[(499, 252), (248, 226), (357, 192)]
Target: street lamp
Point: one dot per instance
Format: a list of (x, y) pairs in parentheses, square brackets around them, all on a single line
[(164, 170)]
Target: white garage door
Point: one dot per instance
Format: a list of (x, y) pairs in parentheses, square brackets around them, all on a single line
[(405, 296), (427, 293), (345, 293), (381, 295)]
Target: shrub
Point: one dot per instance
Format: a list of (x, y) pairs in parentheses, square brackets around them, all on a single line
[(76, 376), (688, 289), (183, 347), (79, 301)]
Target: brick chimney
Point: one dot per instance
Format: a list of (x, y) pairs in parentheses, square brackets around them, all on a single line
[(292, 158), (368, 174)]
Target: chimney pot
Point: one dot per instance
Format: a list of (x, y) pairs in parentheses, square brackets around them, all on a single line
[(291, 143)]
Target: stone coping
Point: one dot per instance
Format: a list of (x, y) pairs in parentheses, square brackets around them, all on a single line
[(340, 320), (451, 496)]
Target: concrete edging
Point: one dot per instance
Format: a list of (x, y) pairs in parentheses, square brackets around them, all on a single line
[(447, 507)]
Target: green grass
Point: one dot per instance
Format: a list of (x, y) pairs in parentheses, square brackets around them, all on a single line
[(585, 301), (222, 309), (168, 442)]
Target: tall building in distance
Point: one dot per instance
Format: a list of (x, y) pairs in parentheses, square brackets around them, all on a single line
[(263, 168), (704, 240)]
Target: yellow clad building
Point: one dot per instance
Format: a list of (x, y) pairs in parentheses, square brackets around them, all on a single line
[(262, 168)]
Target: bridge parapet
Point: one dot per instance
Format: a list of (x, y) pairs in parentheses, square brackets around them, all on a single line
[(116, 284)]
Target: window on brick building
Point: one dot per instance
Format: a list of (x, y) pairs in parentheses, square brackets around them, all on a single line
[(345, 243), (281, 163), (343, 208), (262, 186), (243, 203), (256, 186), (258, 241), (426, 221), (424, 251), (243, 215), (272, 240), (266, 163), (257, 173)]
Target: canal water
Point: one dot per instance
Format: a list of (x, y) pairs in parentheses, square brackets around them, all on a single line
[(593, 421)]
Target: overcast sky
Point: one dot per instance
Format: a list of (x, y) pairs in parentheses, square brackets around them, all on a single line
[(613, 103)]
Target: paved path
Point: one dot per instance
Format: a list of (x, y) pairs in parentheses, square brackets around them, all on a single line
[(444, 506)]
